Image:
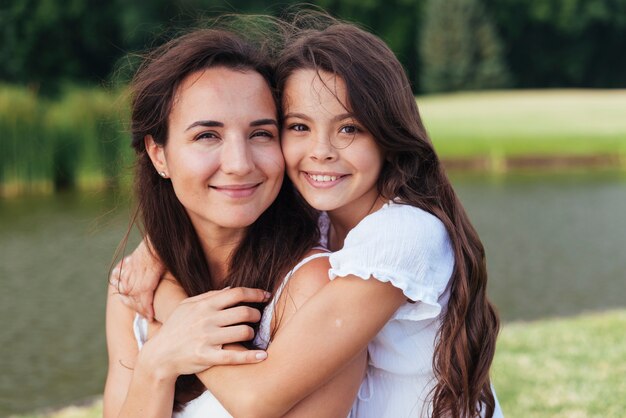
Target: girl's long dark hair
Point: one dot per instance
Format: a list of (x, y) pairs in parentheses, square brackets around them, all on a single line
[(380, 97), (273, 244)]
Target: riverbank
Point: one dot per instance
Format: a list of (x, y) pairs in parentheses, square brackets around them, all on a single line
[(564, 367), (81, 138)]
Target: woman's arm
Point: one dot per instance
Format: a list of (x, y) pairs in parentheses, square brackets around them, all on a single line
[(323, 340), (130, 389), (141, 383)]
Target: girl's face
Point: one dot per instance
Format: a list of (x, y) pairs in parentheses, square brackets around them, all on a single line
[(332, 160), (223, 153)]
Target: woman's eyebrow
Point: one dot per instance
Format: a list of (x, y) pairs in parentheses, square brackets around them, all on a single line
[(206, 123), (261, 122)]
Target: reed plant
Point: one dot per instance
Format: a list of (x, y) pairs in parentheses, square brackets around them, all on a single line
[(57, 144), (22, 147)]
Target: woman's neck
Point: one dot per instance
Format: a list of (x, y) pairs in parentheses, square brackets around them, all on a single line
[(218, 245)]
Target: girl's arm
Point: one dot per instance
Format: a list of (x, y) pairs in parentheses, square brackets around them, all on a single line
[(137, 276), (328, 333), (318, 344)]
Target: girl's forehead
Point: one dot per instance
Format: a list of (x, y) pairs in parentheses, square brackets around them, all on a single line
[(309, 86)]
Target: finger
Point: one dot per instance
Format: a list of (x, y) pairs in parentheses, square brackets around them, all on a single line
[(227, 335), (234, 296), (220, 357), (126, 300), (237, 315), (145, 302)]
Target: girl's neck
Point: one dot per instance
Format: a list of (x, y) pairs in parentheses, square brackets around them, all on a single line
[(345, 218)]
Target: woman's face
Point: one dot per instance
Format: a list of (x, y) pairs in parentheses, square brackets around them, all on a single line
[(332, 160), (223, 152)]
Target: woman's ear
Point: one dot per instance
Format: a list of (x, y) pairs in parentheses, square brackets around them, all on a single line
[(156, 153)]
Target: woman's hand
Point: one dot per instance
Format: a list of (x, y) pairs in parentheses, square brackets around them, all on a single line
[(191, 339), (136, 277)]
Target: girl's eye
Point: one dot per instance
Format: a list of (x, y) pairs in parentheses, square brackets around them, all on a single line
[(349, 129), (298, 127), (262, 135)]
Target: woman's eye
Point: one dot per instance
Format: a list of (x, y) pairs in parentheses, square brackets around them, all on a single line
[(262, 135), (298, 127), (206, 136)]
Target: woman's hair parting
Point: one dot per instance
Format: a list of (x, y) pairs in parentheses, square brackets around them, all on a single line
[(273, 244), (380, 97)]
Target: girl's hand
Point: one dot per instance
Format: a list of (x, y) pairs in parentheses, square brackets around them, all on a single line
[(136, 277), (191, 339)]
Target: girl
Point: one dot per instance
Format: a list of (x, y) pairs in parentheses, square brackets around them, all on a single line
[(408, 270), (211, 196)]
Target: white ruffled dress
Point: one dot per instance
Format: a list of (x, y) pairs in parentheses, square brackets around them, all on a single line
[(410, 249)]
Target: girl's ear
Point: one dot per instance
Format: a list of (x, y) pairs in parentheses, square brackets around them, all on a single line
[(156, 153)]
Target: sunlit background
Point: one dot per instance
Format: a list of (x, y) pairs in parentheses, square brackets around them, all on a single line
[(525, 102)]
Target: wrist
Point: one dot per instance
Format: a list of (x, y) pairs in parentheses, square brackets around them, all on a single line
[(152, 367)]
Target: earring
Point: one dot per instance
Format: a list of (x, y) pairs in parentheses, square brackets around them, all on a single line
[(162, 174)]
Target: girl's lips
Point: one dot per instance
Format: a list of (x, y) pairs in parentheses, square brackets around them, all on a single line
[(237, 190), (323, 180)]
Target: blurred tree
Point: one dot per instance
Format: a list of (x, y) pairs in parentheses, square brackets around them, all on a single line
[(459, 48), (395, 21), (564, 43), (49, 42)]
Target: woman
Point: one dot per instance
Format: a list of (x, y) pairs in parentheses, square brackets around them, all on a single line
[(409, 274), (211, 196)]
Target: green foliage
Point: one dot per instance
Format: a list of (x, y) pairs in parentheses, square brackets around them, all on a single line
[(563, 43), (57, 143), (21, 148), (459, 48)]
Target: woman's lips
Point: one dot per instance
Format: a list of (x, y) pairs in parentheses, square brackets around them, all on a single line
[(237, 190)]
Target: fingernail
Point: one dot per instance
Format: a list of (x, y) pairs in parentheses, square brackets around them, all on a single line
[(267, 295), (114, 282), (261, 356)]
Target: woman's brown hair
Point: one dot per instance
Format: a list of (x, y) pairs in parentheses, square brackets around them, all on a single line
[(273, 244), (381, 99)]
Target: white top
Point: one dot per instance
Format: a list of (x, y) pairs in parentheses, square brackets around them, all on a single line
[(207, 405), (411, 249)]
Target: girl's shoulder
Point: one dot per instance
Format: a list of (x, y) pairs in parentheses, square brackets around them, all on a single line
[(403, 245), (398, 221)]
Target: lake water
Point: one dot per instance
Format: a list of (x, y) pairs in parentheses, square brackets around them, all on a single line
[(556, 245)]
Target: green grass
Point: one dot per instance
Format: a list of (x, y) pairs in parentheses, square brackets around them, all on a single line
[(526, 122), (570, 367)]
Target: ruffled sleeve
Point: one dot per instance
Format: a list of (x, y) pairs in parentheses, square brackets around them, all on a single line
[(405, 246)]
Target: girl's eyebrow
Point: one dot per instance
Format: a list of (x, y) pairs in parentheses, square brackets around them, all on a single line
[(343, 116), (334, 119), (297, 115)]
